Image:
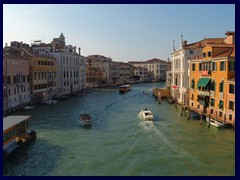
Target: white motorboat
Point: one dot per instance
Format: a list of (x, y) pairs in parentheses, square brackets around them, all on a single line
[(146, 115), (215, 123)]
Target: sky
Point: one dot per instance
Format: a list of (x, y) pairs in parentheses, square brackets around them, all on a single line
[(123, 32)]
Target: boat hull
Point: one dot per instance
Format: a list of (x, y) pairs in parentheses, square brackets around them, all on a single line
[(215, 123), (146, 117)]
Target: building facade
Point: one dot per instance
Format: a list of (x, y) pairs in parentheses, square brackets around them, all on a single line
[(70, 65), (180, 66), (16, 80), (211, 88), (157, 68)]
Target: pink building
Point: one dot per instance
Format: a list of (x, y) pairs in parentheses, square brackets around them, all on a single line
[(16, 79)]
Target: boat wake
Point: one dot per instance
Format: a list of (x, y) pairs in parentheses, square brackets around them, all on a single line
[(147, 125)]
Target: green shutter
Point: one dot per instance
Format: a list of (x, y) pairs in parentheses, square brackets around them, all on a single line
[(220, 104)]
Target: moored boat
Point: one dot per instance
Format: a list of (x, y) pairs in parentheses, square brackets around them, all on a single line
[(215, 123), (28, 107), (146, 115), (125, 88), (16, 134)]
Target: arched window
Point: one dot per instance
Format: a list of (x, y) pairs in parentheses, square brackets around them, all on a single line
[(193, 84), (213, 85)]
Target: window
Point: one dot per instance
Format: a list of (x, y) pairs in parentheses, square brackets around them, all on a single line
[(220, 114), (190, 51), (231, 105), (211, 111), (220, 105), (204, 54), (230, 117), (222, 66), (214, 68), (231, 88), (200, 67), (231, 66), (193, 67), (221, 86), (193, 84), (212, 102), (209, 54), (213, 86)]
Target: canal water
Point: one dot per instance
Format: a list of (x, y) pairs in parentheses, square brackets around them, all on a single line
[(119, 143)]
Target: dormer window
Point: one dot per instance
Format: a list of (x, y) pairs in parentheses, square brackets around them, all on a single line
[(204, 54), (209, 54)]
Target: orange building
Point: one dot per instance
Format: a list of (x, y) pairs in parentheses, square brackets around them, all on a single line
[(209, 77), (230, 101)]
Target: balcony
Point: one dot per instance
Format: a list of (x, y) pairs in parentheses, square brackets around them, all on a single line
[(204, 93), (221, 95), (202, 103), (212, 93), (206, 73)]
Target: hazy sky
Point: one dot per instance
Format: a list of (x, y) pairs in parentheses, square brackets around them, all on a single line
[(122, 32)]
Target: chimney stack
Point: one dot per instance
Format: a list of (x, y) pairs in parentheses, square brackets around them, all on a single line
[(184, 43), (5, 44), (79, 51)]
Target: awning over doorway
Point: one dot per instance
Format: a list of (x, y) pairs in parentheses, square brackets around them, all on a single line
[(203, 82)]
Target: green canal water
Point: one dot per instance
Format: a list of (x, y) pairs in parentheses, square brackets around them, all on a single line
[(119, 143)]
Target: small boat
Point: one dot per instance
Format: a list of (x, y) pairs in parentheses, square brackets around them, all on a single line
[(215, 123), (144, 92), (28, 107), (146, 115), (86, 118), (125, 88)]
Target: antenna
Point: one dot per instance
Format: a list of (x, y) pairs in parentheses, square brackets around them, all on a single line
[(181, 41), (174, 46)]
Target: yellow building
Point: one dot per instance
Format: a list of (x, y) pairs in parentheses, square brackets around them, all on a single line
[(208, 80), (42, 76)]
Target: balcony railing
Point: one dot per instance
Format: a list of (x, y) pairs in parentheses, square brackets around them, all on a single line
[(212, 93), (221, 95), (204, 93)]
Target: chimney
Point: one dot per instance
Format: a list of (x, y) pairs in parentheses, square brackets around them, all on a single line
[(184, 43), (5, 44), (173, 46), (79, 51), (181, 44), (199, 44), (21, 44), (230, 37)]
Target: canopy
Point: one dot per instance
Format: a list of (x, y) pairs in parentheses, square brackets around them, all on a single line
[(11, 121), (203, 82)]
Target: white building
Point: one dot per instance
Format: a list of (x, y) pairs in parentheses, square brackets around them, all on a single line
[(71, 66), (156, 67)]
